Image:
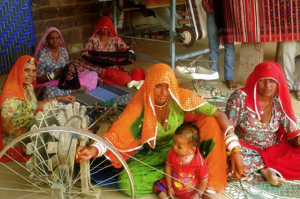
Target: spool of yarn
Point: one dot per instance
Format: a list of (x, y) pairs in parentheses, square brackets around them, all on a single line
[(137, 74)]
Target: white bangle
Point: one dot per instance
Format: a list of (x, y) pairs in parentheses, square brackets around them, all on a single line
[(101, 149), (233, 144), (228, 129), (231, 139), (131, 51)]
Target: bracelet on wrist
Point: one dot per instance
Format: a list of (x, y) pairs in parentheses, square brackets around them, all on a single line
[(170, 187)]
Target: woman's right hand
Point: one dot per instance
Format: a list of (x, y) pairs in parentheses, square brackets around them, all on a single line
[(84, 153), (237, 165), (84, 52)]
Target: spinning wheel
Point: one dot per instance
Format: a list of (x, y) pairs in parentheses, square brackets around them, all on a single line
[(50, 145)]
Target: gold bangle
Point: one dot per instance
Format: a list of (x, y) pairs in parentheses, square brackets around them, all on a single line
[(299, 139)]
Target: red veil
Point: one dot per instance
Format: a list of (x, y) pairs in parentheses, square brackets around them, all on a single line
[(283, 157)]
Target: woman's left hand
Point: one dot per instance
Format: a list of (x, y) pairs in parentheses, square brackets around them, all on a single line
[(237, 165), (67, 98), (70, 72)]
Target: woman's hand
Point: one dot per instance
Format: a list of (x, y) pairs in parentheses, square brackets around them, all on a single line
[(237, 165), (206, 7), (58, 73), (85, 53), (67, 98), (70, 72), (85, 153), (295, 142)]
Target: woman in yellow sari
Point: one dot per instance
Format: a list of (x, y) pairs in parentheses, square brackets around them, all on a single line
[(146, 127)]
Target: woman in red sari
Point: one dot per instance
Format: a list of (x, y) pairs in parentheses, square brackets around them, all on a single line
[(266, 126), (109, 53)]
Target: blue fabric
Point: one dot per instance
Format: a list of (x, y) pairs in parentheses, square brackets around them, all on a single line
[(114, 89), (102, 94), (102, 172), (214, 55)]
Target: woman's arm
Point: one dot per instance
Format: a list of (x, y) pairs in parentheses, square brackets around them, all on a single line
[(41, 74), (6, 125), (64, 98)]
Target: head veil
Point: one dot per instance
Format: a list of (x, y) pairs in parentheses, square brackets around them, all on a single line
[(13, 86), (105, 22), (138, 124), (42, 42), (274, 71)]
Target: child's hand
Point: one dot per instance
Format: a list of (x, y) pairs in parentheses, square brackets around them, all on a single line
[(196, 196), (171, 192)]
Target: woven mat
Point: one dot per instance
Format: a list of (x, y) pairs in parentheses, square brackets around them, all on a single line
[(103, 93), (258, 187)]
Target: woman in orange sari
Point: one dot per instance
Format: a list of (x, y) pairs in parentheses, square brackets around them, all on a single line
[(146, 127), (18, 102)]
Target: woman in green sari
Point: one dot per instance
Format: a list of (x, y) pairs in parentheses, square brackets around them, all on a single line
[(145, 132)]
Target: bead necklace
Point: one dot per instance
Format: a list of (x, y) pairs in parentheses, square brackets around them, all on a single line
[(55, 54), (161, 105), (27, 94), (184, 159), (166, 118)]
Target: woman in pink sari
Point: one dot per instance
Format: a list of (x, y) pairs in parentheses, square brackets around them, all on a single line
[(52, 55)]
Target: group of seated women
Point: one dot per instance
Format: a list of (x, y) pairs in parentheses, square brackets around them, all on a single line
[(259, 130)]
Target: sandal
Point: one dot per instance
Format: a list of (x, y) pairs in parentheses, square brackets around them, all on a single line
[(297, 95), (230, 84)]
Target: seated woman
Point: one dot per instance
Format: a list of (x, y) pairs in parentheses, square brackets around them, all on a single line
[(18, 102), (146, 127), (106, 49), (266, 126), (53, 57)]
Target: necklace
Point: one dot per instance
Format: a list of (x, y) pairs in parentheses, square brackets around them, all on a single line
[(27, 94), (262, 111), (161, 105), (166, 118), (184, 159)]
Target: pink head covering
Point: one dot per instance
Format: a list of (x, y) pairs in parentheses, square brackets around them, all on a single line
[(42, 42)]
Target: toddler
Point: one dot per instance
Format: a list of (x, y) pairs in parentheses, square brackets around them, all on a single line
[(186, 171)]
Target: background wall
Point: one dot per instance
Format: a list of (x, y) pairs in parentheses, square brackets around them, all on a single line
[(75, 19)]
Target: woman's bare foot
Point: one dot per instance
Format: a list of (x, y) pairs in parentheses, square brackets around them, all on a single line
[(272, 178), (230, 84), (82, 89)]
